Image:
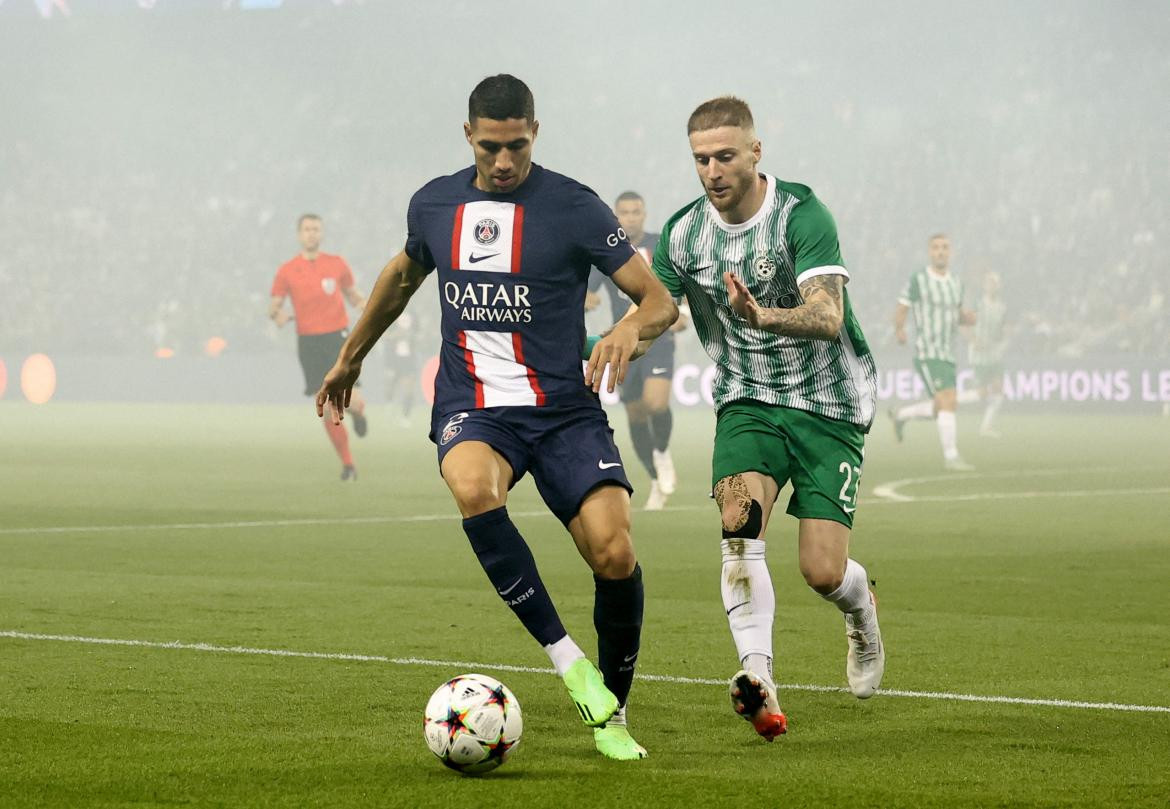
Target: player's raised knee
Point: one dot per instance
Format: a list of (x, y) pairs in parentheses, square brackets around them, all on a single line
[(742, 516)]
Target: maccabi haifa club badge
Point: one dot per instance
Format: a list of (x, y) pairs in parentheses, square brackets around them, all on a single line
[(487, 231), (765, 267)]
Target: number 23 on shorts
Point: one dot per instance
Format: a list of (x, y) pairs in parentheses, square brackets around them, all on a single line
[(848, 495)]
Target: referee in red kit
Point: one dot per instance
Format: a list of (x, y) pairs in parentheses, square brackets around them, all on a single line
[(317, 282)]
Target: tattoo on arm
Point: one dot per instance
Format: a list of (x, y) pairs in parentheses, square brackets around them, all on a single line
[(819, 317)]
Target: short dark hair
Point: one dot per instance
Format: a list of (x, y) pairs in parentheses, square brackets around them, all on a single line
[(628, 196), (499, 98), (722, 111), (305, 216)]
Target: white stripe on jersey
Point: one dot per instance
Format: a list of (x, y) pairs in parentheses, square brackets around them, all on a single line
[(485, 238), (824, 269), (505, 381)]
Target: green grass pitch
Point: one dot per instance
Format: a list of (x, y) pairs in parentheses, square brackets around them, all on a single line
[(1044, 575)]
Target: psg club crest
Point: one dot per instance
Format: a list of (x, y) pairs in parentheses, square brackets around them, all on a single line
[(765, 267), (329, 285), (487, 231), (452, 429)]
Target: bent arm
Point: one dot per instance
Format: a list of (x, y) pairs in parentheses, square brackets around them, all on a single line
[(900, 321), (820, 316), (276, 310), (654, 310), (356, 299), (399, 279)]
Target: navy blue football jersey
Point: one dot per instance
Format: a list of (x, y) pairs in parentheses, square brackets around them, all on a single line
[(512, 271), (619, 302)]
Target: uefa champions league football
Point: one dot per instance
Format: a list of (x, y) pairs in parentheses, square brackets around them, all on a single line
[(472, 723)]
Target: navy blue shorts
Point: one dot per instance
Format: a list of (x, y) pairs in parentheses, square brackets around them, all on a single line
[(570, 451), (657, 363)]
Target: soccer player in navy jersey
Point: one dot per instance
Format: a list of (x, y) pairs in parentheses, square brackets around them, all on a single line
[(513, 243)]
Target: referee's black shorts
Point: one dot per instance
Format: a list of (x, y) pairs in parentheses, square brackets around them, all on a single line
[(317, 353)]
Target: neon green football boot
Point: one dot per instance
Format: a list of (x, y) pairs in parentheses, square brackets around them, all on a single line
[(594, 701), (615, 741)]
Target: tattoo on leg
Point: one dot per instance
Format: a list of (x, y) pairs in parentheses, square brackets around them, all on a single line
[(735, 488)]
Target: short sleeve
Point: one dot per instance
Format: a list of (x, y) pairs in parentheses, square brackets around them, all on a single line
[(416, 244), (909, 293), (664, 268), (812, 235), (603, 240), (280, 287), (345, 277)]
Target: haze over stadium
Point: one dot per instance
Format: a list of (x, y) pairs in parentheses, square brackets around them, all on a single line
[(161, 478)]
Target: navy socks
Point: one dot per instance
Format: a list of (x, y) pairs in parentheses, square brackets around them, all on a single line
[(505, 557)]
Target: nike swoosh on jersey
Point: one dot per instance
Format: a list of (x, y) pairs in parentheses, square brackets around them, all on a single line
[(604, 465), (848, 510), (659, 370), (474, 259)]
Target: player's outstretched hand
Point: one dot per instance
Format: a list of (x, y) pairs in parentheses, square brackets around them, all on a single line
[(336, 390), (615, 350), (741, 300)]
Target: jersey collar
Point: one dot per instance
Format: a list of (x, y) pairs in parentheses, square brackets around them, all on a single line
[(757, 217)]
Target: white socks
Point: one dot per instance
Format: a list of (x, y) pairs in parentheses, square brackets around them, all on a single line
[(563, 654), (948, 434), (990, 413), (852, 597), (750, 602), (919, 411)]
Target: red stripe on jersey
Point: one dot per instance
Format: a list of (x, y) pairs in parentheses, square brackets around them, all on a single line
[(469, 358), (518, 347), (455, 235), (517, 238)]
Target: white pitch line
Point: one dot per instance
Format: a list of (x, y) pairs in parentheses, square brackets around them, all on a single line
[(450, 516), (659, 678), (891, 492)]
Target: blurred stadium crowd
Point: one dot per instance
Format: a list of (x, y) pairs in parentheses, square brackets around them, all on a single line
[(117, 250)]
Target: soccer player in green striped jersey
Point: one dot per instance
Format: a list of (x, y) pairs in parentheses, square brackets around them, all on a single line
[(758, 261), (987, 349), (935, 296)]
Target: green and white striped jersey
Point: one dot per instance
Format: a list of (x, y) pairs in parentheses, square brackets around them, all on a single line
[(791, 239), (935, 300), (989, 339)]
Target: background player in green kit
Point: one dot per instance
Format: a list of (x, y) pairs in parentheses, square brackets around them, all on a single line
[(758, 261), (987, 349), (936, 297)]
